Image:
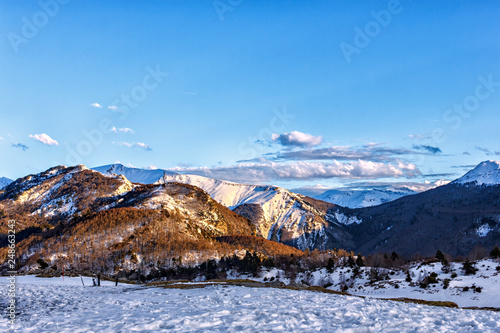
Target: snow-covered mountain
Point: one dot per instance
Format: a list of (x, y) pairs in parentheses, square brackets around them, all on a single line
[(277, 213), (364, 198), (227, 193), (68, 193), (4, 182), (135, 175), (59, 192), (360, 198), (455, 218), (452, 217), (485, 173)]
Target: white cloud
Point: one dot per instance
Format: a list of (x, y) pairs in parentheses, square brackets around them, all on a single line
[(96, 105), (126, 144), (257, 172), (122, 130), (297, 139), (143, 146), (1, 138), (113, 107), (151, 167), (45, 139), (133, 145), (420, 136)]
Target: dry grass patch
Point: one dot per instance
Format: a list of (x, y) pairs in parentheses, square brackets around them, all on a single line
[(446, 304)]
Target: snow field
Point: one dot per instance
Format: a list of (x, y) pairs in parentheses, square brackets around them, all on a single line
[(48, 305)]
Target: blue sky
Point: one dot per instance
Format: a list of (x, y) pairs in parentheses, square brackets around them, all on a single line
[(291, 93)]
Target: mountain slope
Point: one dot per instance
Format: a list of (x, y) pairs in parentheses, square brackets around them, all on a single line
[(79, 214), (57, 193), (63, 194)]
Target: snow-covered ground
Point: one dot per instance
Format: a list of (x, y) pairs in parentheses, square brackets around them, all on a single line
[(51, 305), (487, 278)]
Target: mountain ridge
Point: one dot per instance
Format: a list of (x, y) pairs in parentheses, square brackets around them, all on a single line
[(363, 198), (283, 216), (373, 196), (453, 217)]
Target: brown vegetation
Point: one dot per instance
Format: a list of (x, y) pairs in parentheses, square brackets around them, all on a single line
[(259, 244)]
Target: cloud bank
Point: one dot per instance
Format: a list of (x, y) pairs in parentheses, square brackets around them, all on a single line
[(259, 172)]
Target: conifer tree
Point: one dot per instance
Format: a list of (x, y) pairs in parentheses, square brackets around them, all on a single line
[(359, 260), (495, 253), (439, 255)]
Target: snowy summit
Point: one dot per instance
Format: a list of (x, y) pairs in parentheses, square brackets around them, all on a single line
[(135, 175), (4, 182), (485, 173)]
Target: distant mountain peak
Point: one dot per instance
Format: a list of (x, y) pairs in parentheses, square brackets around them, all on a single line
[(4, 182), (356, 198), (485, 173), (376, 195)]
